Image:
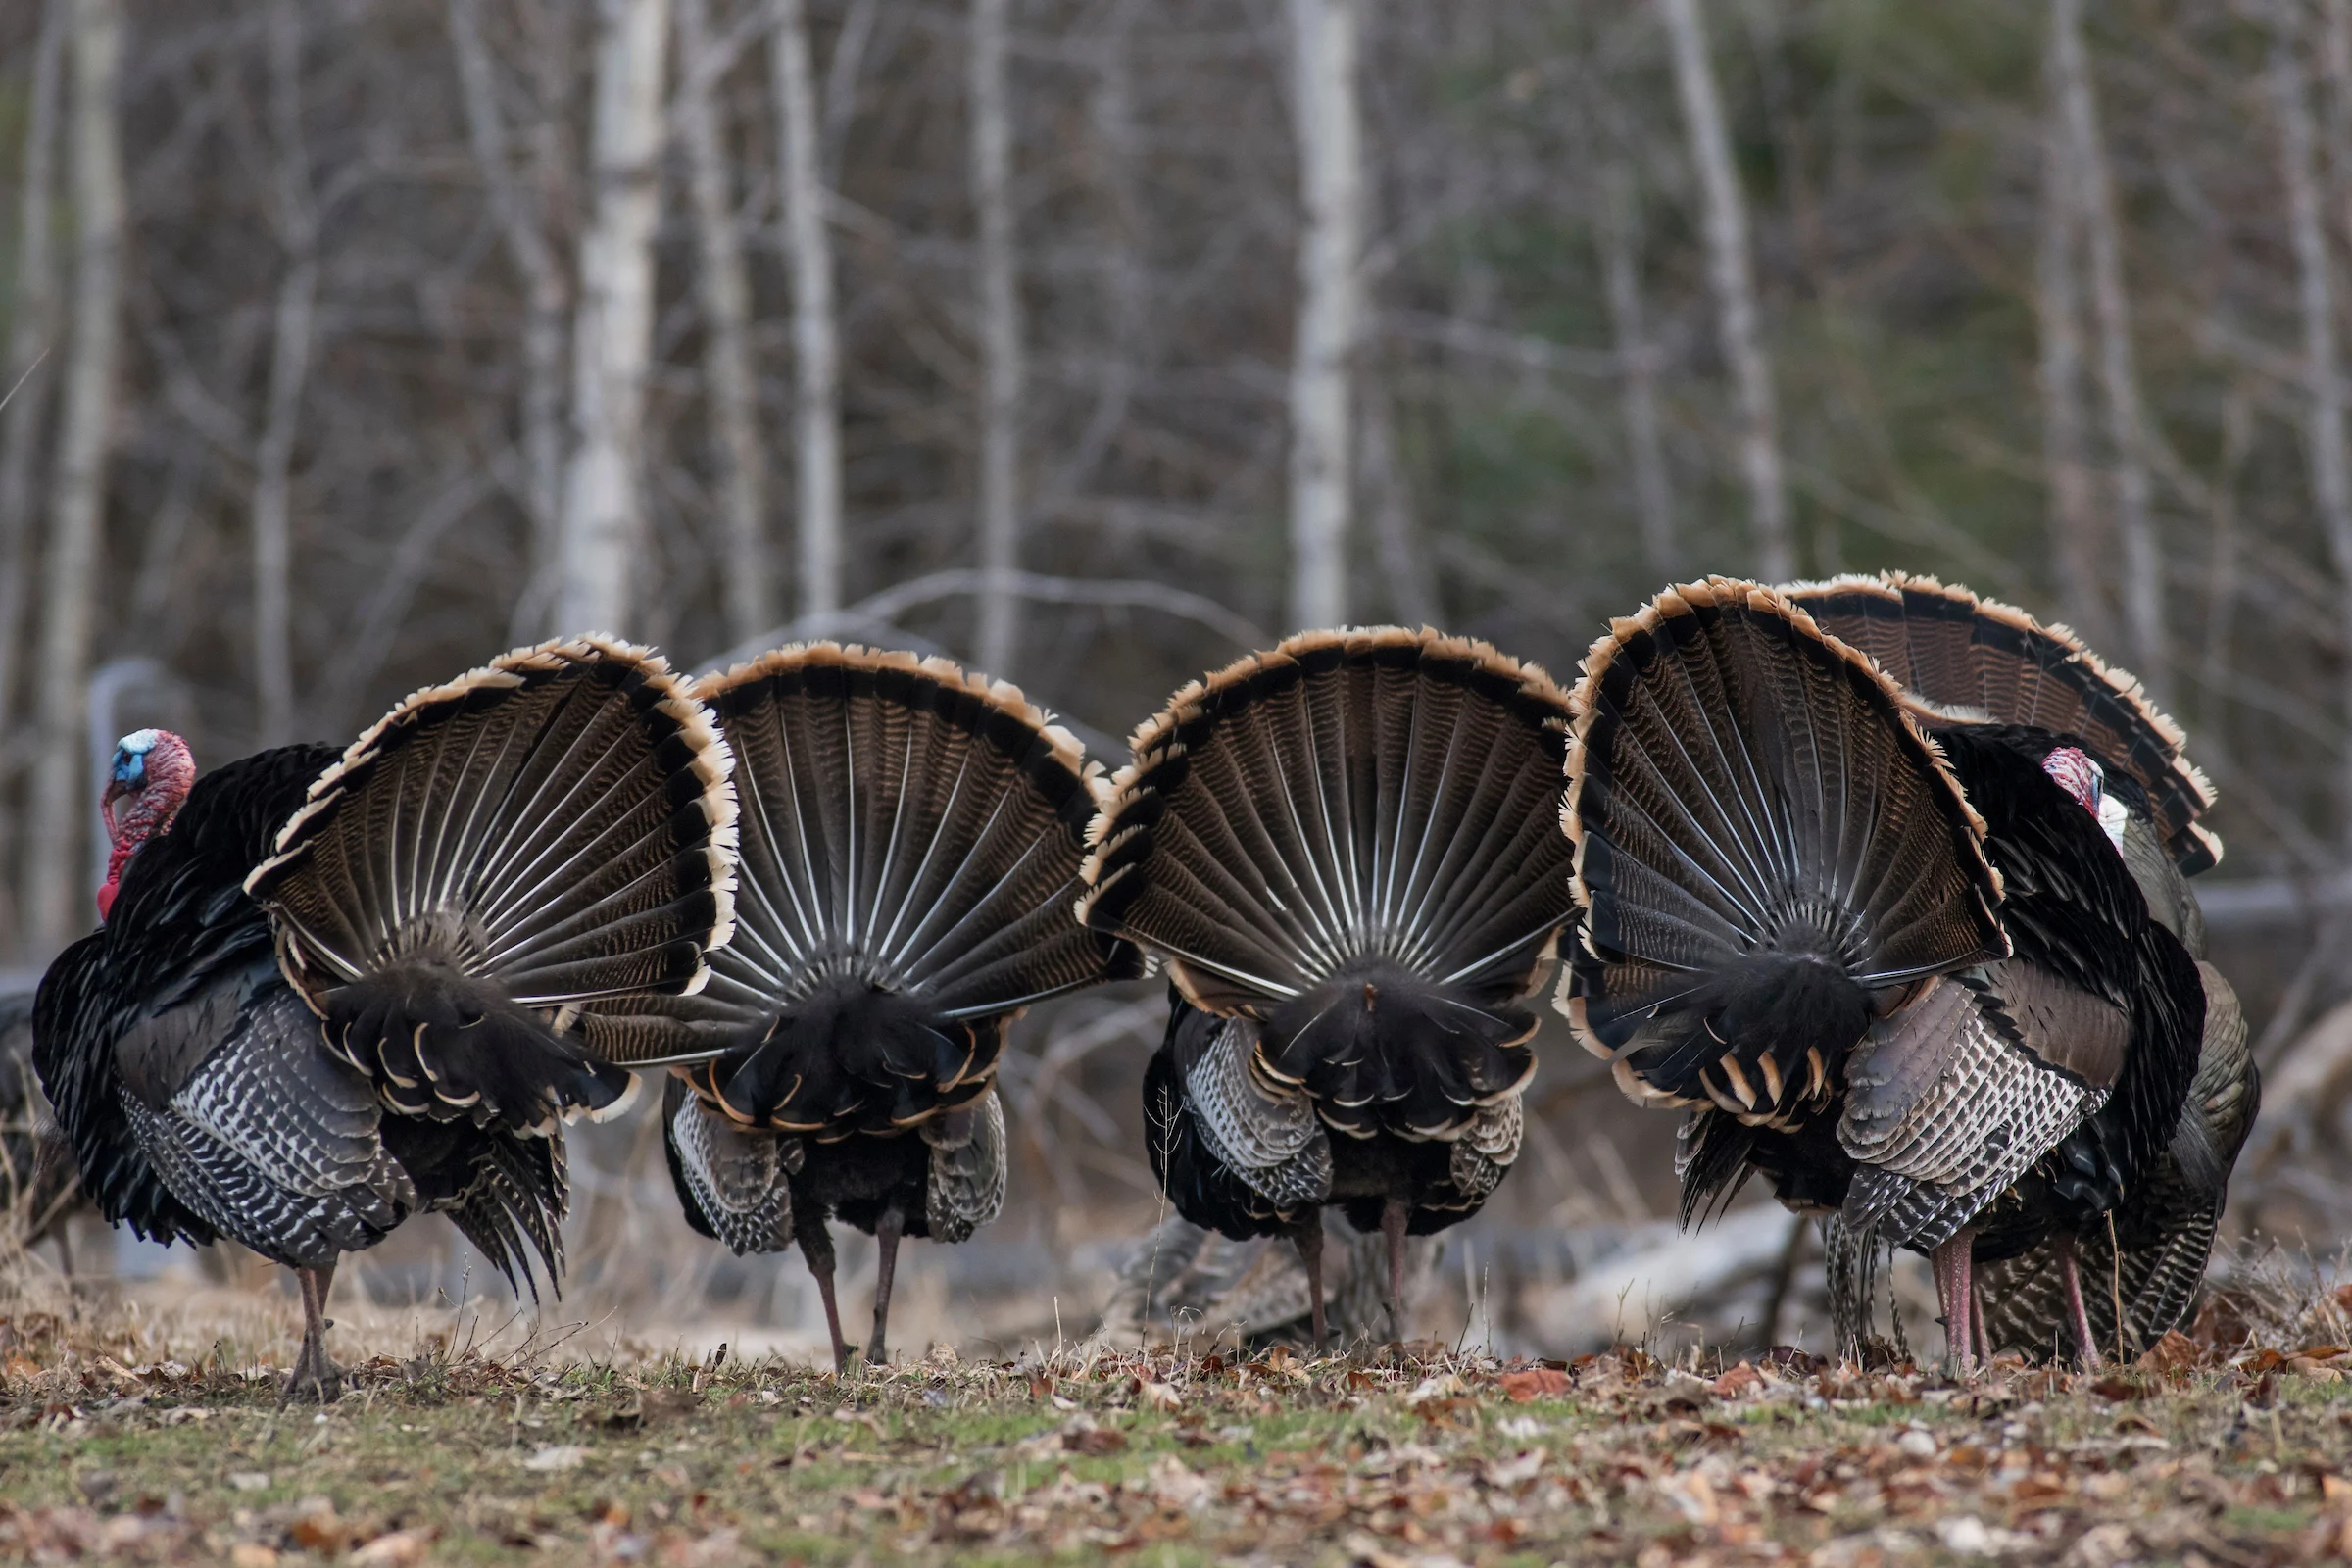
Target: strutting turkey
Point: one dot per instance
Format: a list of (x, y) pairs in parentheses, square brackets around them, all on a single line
[(1343, 850), (911, 843), (1976, 660), (1910, 980), (336, 988)]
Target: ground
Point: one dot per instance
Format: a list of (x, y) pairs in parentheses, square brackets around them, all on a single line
[(1416, 1454)]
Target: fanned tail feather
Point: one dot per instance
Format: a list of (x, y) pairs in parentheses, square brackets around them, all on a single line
[(552, 832), (1768, 851), (1984, 661), (1348, 840), (911, 843)]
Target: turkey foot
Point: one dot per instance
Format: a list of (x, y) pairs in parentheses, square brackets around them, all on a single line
[(315, 1377), (887, 1230), (1307, 1236), (1394, 1214)]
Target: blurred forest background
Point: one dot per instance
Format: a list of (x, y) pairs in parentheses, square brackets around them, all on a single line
[(1095, 342)]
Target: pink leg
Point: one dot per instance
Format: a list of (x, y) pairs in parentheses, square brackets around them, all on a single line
[(1953, 1292), (2081, 1315)]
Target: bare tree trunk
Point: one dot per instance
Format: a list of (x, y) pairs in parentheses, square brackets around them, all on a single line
[(816, 345), (2073, 505), (31, 333), (602, 539), (544, 290), (2323, 382), (2119, 379), (1001, 370), (747, 579), (1637, 366), (61, 808), (1731, 275), (1331, 166), (289, 368)]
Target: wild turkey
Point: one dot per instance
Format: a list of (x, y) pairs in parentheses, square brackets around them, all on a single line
[(338, 988), (1201, 1287), (1974, 660), (1342, 849), (1909, 980), (910, 844)]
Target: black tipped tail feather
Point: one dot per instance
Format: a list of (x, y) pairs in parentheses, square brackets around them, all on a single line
[(1769, 855)]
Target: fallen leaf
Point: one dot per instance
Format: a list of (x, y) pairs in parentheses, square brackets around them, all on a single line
[(1538, 1382), (1093, 1439), (396, 1548), (1158, 1395), (556, 1456), (1738, 1381)]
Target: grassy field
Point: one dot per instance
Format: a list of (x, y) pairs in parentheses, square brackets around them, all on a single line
[(1411, 1456)]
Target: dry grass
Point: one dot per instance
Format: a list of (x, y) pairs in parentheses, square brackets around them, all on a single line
[(150, 1433)]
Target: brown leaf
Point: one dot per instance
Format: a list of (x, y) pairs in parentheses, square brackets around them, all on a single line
[(1094, 1440), (2120, 1388), (1538, 1382), (2173, 1355), (396, 1548), (1738, 1381)]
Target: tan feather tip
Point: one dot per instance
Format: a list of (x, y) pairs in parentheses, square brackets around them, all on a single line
[(1001, 695)]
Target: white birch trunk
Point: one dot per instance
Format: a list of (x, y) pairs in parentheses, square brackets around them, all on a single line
[(544, 292), (289, 368), (1637, 370), (62, 814), (1331, 179), (2315, 292), (2073, 507), (1001, 370), (27, 376), (745, 576), (816, 345), (1731, 276), (602, 547), (2119, 378)]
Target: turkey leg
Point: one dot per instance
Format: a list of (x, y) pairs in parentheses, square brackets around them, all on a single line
[(1952, 1263), (817, 1246), (2078, 1313), (887, 1231), (1393, 1216), (1307, 1236), (315, 1377)]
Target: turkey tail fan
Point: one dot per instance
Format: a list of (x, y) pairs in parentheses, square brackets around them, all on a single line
[(911, 843), (551, 832), (1975, 657), (1349, 839), (1768, 851)]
